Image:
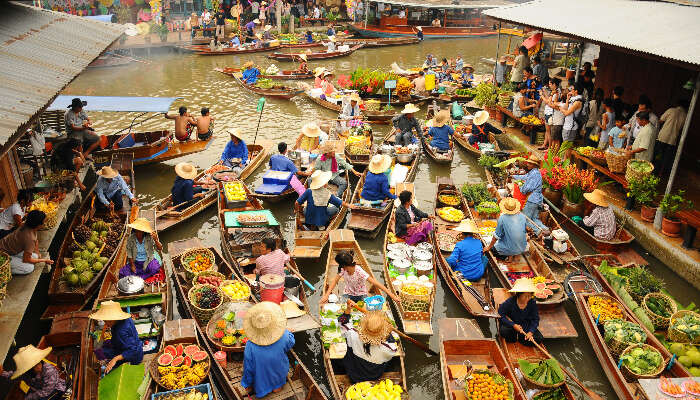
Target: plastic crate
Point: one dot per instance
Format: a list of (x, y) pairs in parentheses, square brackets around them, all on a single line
[(203, 388)]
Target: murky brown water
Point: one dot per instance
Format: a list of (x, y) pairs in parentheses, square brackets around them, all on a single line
[(192, 78)]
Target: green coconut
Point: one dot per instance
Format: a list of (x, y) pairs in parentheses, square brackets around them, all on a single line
[(67, 271), (86, 254), (686, 361), (73, 279), (103, 260), (97, 266), (75, 262), (103, 234), (85, 277), (678, 349), (77, 254)]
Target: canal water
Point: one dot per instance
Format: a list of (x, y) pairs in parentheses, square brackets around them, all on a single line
[(193, 79)]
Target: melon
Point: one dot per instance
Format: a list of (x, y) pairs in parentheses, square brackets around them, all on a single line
[(199, 356), (191, 349), (547, 292), (170, 349), (165, 359), (187, 361), (540, 295), (180, 350), (549, 281), (541, 286), (554, 287), (177, 361)]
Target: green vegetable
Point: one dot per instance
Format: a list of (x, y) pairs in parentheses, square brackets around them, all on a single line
[(554, 394), (546, 372), (476, 193), (688, 324), (488, 207), (488, 161), (642, 360), (659, 307), (624, 331), (641, 282)]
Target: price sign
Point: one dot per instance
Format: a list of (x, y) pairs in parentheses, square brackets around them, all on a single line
[(390, 84)]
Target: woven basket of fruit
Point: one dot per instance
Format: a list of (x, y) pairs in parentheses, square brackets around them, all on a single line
[(659, 308), (213, 278), (617, 161), (684, 327), (235, 290), (641, 361), (179, 366), (450, 214), (197, 260), (415, 298), (205, 299), (223, 334), (449, 199), (637, 169), (485, 382)]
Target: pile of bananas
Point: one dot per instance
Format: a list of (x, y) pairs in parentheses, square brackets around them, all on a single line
[(451, 214), (531, 120), (358, 149), (417, 290), (234, 191), (48, 207), (182, 376)]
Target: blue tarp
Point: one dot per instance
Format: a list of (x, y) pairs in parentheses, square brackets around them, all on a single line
[(116, 104), (101, 18)]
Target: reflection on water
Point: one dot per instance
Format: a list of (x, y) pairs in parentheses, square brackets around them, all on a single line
[(193, 78)]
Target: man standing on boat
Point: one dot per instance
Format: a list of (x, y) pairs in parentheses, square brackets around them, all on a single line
[(220, 19), (78, 126), (330, 44), (183, 123), (235, 154), (532, 187), (419, 84), (204, 125), (405, 124)]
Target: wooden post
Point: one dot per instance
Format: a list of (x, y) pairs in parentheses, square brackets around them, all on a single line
[(278, 14), (291, 21)]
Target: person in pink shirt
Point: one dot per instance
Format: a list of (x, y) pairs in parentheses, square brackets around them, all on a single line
[(327, 84), (272, 261), (357, 280), (318, 81)]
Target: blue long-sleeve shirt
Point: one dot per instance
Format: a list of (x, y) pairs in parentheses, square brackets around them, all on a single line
[(532, 185), (315, 215), (250, 76), (266, 367), (376, 187), (182, 190), (106, 189), (125, 341), (528, 319), (441, 136), (233, 150), (278, 162), (511, 234), (467, 258), (309, 38)]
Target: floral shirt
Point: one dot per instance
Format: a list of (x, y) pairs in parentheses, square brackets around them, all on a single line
[(44, 384), (355, 284), (602, 219)]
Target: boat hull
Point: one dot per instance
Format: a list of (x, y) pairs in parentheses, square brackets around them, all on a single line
[(428, 32)]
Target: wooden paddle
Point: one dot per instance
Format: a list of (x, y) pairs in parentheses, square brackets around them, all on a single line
[(298, 275), (420, 345)]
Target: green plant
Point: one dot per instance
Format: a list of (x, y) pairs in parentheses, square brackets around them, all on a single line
[(476, 193), (674, 203), (508, 86), (572, 62), (161, 30), (643, 190), (641, 282), (486, 94), (331, 16), (488, 161)]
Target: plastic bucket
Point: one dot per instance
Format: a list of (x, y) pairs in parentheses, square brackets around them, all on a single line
[(220, 358), (272, 288)]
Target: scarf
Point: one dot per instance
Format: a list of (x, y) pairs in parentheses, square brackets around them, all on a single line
[(321, 196), (334, 163)]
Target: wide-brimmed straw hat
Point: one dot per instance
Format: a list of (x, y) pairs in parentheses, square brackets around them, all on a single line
[(235, 132), (107, 172), (420, 28), (468, 66), (256, 21), (523, 285), (326, 73), (248, 64), (319, 179), (410, 108), (268, 27), (481, 117), (327, 146), (318, 71), (379, 163), (27, 357), (311, 129), (302, 56), (110, 311), (597, 197), (441, 118), (355, 97), (185, 170), (467, 226), (509, 206), (265, 323), (533, 159), (374, 328), (141, 224)]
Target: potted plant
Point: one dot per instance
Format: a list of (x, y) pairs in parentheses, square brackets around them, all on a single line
[(643, 192), (486, 96), (162, 31), (576, 183), (670, 206), (552, 171)]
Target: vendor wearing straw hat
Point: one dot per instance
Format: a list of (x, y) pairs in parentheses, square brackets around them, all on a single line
[(330, 44), (303, 66), (532, 187), (357, 281), (441, 131), (318, 73), (468, 258), (250, 29), (321, 204), (519, 315), (266, 33), (405, 124), (601, 221), (510, 237), (313, 136), (43, 378), (141, 258), (466, 77), (351, 109), (480, 128), (109, 190), (265, 361), (250, 73), (327, 84), (184, 192), (235, 153), (376, 189), (125, 345), (337, 165)]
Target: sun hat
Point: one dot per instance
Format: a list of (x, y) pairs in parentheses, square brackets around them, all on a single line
[(27, 357), (523, 285), (467, 226), (107, 172), (248, 64), (379, 163), (441, 118), (265, 323), (185, 170), (509, 206), (327, 146), (76, 102), (319, 179), (268, 27), (374, 328), (110, 311), (256, 21), (533, 159), (597, 197), (318, 71), (235, 132), (481, 117), (409, 108), (311, 129), (355, 97), (302, 56), (327, 72), (141, 224), (291, 309), (468, 66), (420, 28)]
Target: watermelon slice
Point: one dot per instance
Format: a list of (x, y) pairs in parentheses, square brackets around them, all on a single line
[(191, 349), (170, 349), (549, 281), (165, 359), (177, 361), (554, 287), (180, 350), (541, 286), (199, 356), (547, 292), (540, 295), (188, 361)]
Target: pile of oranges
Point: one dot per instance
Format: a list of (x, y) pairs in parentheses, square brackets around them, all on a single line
[(483, 386), (199, 263)]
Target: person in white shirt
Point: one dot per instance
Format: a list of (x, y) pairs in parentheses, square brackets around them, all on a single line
[(643, 146), (11, 217), (402, 14), (633, 126), (666, 142), (317, 13), (206, 22)]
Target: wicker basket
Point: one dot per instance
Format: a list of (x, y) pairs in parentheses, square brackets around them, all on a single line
[(372, 105), (674, 335), (631, 173), (203, 315), (537, 384), (153, 367), (617, 162), (5, 269), (660, 322), (617, 346), (414, 302), (207, 273), (232, 300), (189, 274), (631, 376)]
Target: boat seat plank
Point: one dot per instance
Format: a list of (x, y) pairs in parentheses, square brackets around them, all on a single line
[(459, 328), (554, 321), (417, 327), (302, 323)]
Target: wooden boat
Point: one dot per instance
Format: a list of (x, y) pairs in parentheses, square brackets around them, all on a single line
[(462, 344), (625, 390), (166, 219), (475, 297), (463, 142), (300, 383), (205, 50), (285, 194), (433, 154), (282, 75), (398, 27), (367, 220), (359, 161), (299, 45), (63, 297), (554, 321), (282, 56), (344, 240), (380, 42), (374, 117), (396, 100), (277, 92)]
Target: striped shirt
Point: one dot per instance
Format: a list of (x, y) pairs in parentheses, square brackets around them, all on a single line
[(271, 263), (602, 219)]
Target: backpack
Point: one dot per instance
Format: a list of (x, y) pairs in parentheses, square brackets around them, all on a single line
[(580, 116)]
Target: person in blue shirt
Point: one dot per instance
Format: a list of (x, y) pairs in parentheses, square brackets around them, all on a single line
[(376, 189), (250, 73), (280, 162), (468, 258), (309, 37), (109, 189), (125, 345), (250, 29), (235, 153), (235, 41), (441, 131), (419, 33), (519, 316), (466, 77), (532, 187), (510, 238), (330, 31), (430, 61), (617, 135), (265, 360), (184, 192), (321, 204)]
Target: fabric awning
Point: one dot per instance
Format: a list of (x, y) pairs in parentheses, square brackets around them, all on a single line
[(116, 104)]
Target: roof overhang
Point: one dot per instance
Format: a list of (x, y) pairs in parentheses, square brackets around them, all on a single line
[(116, 103), (443, 4)]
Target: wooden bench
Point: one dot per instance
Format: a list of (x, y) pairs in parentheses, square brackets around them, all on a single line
[(692, 219), (619, 178)]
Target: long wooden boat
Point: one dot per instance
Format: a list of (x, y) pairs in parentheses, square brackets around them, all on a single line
[(277, 92), (375, 117), (282, 56), (299, 45), (463, 142), (396, 100), (205, 50), (344, 240), (300, 383), (433, 154), (380, 42), (168, 218), (367, 220), (462, 345), (63, 297), (282, 75), (398, 27), (475, 297), (625, 390)]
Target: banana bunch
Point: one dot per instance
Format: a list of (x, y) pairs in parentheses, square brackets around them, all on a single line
[(41, 204), (531, 120), (451, 214), (234, 191)]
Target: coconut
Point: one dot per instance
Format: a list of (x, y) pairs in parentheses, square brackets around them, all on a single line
[(103, 260), (86, 254), (85, 277), (75, 262), (90, 245), (97, 266), (67, 271), (77, 254), (73, 279)]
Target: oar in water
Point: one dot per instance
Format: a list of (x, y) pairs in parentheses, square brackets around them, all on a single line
[(420, 345), (298, 275)]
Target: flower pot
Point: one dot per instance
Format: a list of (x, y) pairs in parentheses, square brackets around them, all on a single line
[(671, 227), (570, 73), (497, 115), (571, 209), (553, 195), (648, 213)]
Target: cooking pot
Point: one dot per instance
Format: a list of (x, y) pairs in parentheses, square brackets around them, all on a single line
[(131, 284), (404, 158)]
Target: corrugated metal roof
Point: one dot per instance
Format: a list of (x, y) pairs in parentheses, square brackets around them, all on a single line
[(661, 29), (447, 4), (41, 52)]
